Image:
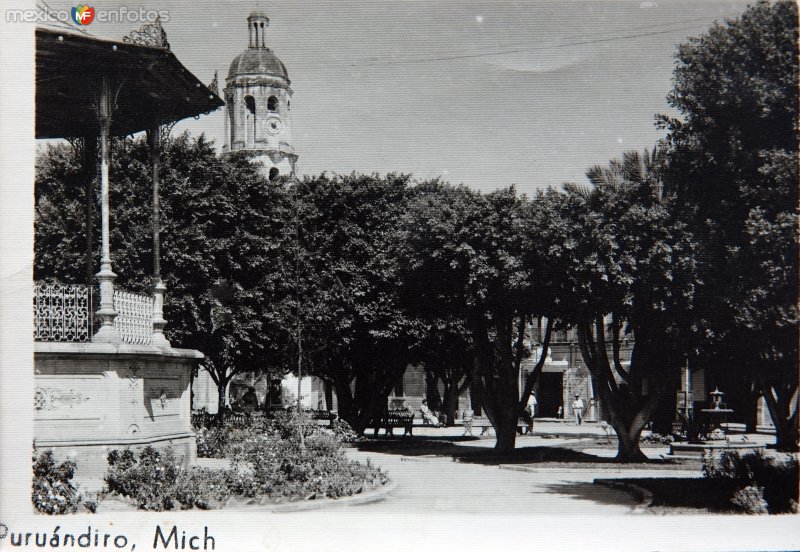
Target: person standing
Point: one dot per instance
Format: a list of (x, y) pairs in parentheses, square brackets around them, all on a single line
[(249, 400), (531, 411), (577, 409)]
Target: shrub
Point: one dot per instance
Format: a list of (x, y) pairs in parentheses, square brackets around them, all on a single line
[(211, 442), (147, 479), (264, 464), (286, 423), (53, 491), (342, 430), (268, 451), (321, 470), (751, 499), (765, 482), (657, 439), (154, 481), (282, 469)]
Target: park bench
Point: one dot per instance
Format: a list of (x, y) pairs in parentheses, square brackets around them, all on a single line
[(392, 419), (486, 426), (204, 419), (323, 415)]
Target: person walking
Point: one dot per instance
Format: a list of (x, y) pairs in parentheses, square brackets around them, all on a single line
[(577, 409)]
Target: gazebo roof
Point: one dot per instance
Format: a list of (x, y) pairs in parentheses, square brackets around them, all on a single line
[(150, 84)]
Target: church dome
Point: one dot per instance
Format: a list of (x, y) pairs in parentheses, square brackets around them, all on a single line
[(258, 60)]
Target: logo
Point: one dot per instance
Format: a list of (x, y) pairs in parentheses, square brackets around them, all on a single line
[(83, 15)]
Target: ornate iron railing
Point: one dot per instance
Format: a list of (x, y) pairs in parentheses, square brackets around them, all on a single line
[(134, 321), (66, 312), (62, 312)]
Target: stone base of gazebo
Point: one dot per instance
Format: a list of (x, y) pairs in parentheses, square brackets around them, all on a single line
[(91, 398)]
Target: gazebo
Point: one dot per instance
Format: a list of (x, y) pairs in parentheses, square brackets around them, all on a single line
[(105, 375)]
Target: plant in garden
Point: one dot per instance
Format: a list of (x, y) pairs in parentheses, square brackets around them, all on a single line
[(343, 432), (155, 481), (211, 441), (657, 439), (762, 482), (751, 499), (282, 469), (270, 462), (53, 490)]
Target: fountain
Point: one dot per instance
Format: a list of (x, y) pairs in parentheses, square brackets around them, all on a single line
[(715, 417), (708, 433)]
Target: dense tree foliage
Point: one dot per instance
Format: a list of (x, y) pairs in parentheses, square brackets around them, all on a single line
[(733, 167), (357, 336)]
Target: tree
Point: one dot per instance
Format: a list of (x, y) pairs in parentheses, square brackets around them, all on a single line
[(633, 274), (222, 230), (356, 336), (462, 262), (733, 162)]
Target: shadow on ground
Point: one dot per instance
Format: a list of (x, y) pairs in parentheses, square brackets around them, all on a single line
[(447, 447), (689, 492), (586, 491)]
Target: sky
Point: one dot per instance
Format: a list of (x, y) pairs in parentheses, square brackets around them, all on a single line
[(487, 94)]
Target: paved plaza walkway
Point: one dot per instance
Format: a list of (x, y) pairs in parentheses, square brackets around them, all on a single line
[(429, 482), (438, 484)]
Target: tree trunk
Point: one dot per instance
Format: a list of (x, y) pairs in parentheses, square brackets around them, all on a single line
[(628, 435), (496, 377), (786, 422), (221, 387), (504, 420), (450, 403), (432, 391), (750, 413), (506, 437), (628, 408), (344, 399), (787, 437)]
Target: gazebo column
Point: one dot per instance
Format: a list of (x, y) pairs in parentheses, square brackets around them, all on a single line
[(107, 333), (89, 174), (159, 340)]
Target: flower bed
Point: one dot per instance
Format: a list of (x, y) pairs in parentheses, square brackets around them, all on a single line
[(268, 461)]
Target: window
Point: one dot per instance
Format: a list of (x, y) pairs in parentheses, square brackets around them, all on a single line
[(273, 174), (272, 103), (250, 122)]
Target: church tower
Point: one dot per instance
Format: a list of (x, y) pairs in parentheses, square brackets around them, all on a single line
[(258, 102)]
